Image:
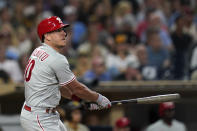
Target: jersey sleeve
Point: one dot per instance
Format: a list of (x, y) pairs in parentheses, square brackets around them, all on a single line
[(62, 71)]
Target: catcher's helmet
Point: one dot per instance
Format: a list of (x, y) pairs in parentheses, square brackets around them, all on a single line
[(122, 122), (49, 24), (165, 106)]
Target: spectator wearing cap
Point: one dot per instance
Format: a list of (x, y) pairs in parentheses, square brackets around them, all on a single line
[(78, 28), (122, 57), (122, 124), (74, 117), (167, 121)]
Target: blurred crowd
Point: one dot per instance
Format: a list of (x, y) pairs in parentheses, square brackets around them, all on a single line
[(110, 39)]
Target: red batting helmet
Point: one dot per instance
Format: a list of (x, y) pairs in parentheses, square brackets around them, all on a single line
[(49, 24), (122, 122), (165, 106)]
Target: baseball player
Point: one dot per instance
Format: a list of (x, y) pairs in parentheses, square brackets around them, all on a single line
[(167, 121), (47, 77)]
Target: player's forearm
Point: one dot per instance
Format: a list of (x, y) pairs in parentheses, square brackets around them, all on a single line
[(82, 91), (85, 93), (66, 92)]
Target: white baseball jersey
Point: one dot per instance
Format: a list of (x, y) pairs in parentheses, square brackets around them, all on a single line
[(161, 126), (46, 71)]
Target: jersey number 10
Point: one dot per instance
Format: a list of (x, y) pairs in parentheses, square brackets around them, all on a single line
[(28, 69)]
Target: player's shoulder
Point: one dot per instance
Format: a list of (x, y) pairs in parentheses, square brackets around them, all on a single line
[(54, 55), (179, 123), (154, 126)]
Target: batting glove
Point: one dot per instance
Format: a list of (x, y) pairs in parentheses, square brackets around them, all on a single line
[(103, 102), (94, 106)]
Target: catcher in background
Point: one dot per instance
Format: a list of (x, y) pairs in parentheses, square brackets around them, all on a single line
[(167, 121)]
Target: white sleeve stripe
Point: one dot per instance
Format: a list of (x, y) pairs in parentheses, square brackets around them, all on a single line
[(65, 83)]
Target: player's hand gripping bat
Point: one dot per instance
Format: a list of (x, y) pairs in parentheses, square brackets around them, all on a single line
[(144, 100)]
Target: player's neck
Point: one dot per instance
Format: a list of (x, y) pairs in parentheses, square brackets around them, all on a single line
[(168, 121), (54, 47)]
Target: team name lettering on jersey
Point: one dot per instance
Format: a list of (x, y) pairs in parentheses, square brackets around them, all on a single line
[(40, 54)]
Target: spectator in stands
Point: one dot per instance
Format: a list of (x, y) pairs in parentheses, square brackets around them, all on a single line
[(167, 121), (92, 41), (18, 18), (122, 124), (24, 45), (98, 71), (158, 55), (147, 71), (176, 9), (131, 73), (78, 28), (5, 15), (11, 67), (122, 56), (181, 42), (155, 22), (157, 5), (74, 117), (126, 31), (83, 64), (10, 40), (122, 12), (193, 62), (190, 26), (101, 10)]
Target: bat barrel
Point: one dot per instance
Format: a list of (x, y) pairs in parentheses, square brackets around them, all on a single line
[(158, 99)]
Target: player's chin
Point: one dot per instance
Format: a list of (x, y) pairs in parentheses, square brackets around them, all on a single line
[(63, 43)]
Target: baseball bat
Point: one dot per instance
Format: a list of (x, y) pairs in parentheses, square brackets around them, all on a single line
[(145, 100), (149, 100)]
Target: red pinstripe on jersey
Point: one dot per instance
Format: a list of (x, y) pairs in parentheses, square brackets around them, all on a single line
[(39, 123)]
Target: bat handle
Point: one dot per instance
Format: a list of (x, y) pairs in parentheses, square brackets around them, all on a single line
[(124, 101)]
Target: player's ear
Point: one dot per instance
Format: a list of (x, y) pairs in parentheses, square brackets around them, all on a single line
[(47, 37)]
